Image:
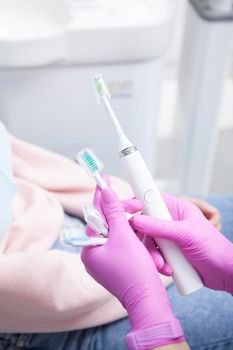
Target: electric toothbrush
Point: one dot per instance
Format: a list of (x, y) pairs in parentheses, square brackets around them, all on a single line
[(185, 276)]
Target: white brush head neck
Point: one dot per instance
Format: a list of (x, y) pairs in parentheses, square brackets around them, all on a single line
[(124, 142)]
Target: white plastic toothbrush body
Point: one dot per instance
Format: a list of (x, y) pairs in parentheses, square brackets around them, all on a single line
[(100, 181), (123, 140), (185, 276)]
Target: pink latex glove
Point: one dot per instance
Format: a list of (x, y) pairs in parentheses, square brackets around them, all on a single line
[(125, 268), (133, 206), (210, 253)]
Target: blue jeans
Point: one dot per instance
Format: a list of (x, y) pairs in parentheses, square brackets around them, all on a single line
[(206, 316)]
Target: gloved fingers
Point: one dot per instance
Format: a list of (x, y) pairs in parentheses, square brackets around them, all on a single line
[(171, 230), (97, 203), (140, 235), (166, 270), (97, 195), (97, 199), (132, 206), (114, 212), (90, 253), (106, 179), (92, 233), (174, 205), (90, 256), (157, 257), (151, 246), (179, 208)]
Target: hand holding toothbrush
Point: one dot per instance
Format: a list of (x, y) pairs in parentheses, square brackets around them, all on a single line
[(134, 206), (210, 253), (124, 267), (145, 189)]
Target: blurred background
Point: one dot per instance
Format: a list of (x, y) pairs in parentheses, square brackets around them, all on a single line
[(168, 66), (220, 180)]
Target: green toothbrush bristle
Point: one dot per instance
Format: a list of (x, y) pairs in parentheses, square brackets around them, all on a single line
[(99, 86), (89, 161)]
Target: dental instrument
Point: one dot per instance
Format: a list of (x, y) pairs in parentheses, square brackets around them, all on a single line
[(184, 275)]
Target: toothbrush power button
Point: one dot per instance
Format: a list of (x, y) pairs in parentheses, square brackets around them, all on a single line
[(150, 196)]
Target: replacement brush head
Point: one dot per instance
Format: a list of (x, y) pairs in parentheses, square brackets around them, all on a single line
[(88, 159)]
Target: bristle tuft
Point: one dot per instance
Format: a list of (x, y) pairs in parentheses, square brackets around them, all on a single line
[(89, 160)]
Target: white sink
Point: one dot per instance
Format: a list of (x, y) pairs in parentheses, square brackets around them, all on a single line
[(32, 32), (40, 32)]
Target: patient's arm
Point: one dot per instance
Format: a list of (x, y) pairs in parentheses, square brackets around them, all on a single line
[(210, 212)]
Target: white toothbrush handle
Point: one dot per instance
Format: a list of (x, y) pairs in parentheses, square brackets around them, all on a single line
[(185, 276)]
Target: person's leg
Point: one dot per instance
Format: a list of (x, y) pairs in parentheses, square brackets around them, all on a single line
[(109, 337), (206, 317)]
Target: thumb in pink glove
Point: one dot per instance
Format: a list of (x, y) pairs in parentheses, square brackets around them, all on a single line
[(210, 253), (125, 268)]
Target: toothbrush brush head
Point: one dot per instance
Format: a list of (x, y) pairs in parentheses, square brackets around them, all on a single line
[(100, 87), (89, 161)]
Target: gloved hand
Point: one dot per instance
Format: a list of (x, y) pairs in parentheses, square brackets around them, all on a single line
[(125, 268), (133, 206), (210, 253)]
